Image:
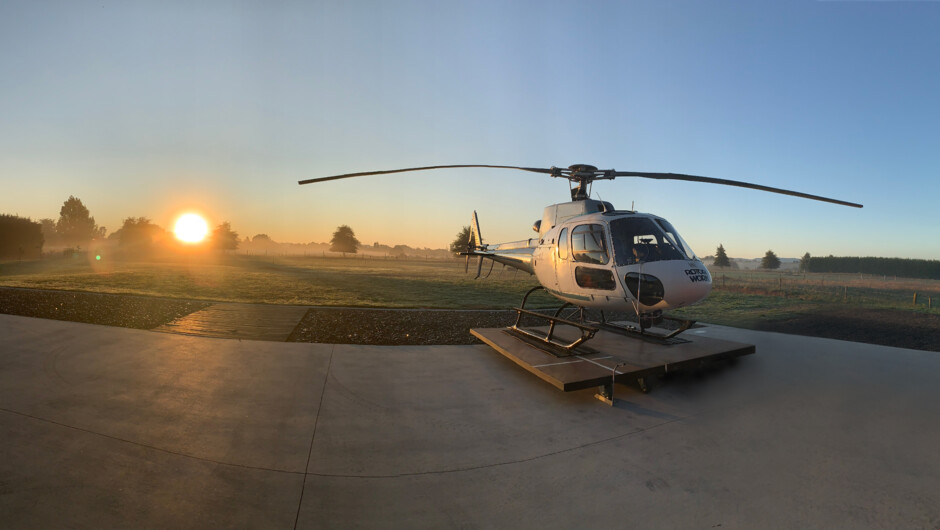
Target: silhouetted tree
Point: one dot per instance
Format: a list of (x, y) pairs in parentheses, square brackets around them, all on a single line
[(721, 258), (344, 240), (75, 225), (136, 235), (804, 262), (460, 242), (49, 233), (20, 237), (223, 238), (263, 242), (770, 261)]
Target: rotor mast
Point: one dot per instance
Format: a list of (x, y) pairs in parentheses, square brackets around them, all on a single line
[(581, 176)]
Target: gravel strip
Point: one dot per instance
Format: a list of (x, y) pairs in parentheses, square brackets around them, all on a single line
[(395, 327), (339, 325), (139, 312)]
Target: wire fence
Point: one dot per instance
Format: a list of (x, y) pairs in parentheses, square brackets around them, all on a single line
[(861, 289)]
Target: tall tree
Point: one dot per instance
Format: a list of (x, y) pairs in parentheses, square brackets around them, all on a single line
[(75, 224), (460, 242), (770, 261), (721, 258), (137, 234), (344, 240), (223, 238), (804, 263)]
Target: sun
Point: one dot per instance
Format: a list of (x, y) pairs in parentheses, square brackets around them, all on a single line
[(191, 228)]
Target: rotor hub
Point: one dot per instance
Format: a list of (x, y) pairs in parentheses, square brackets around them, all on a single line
[(581, 176), (578, 170)]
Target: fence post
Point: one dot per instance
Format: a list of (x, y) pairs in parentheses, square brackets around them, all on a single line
[(915, 297)]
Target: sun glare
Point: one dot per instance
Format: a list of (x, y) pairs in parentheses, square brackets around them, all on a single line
[(191, 228)]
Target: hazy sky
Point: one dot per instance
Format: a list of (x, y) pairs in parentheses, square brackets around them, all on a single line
[(153, 108)]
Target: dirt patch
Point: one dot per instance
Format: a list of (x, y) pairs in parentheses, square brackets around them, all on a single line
[(902, 329)]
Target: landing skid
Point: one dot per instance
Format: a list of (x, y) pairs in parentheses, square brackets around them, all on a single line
[(633, 331), (548, 339), (646, 334), (587, 327)]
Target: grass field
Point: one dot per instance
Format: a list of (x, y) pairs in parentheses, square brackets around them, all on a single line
[(746, 298), (739, 298), (326, 281)]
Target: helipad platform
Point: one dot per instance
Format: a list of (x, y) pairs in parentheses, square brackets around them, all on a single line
[(609, 357)]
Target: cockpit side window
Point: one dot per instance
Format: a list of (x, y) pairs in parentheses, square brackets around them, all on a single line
[(563, 244), (640, 240), (589, 244)]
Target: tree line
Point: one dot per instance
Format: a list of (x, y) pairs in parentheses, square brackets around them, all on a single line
[(20, 238), (23, 238), (907, 268)]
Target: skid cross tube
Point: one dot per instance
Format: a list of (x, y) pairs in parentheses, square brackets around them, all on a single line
[(587, 332), (644, 334)]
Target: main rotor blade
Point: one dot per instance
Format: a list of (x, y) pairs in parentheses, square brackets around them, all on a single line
[(694, 178), (385, 172)]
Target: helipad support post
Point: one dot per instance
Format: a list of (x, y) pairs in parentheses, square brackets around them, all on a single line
[(605, 392)]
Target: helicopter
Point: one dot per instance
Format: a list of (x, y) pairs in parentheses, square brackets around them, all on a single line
[(592, 256)]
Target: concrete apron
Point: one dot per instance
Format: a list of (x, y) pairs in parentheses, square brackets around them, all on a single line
[(110, 427)]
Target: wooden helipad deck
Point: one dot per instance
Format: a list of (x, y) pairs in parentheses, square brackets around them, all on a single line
[(631, 358), (239, 321)]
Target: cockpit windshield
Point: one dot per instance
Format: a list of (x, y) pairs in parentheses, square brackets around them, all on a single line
[(641, 239), (676, 239)]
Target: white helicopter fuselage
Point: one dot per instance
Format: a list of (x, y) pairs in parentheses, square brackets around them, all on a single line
[(591, 255), (609, 260)]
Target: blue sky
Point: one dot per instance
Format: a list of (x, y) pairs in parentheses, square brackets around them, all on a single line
[(149, 109)]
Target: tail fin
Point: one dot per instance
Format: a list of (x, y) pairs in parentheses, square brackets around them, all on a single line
[(475, 242), (475, 238)]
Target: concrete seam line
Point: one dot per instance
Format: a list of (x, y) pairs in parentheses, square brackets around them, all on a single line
[(499, 464), (313, 437)]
